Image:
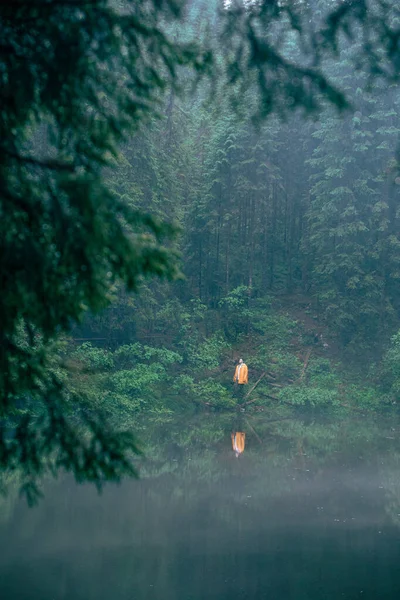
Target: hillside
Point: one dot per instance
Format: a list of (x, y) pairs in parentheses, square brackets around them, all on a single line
[(292, 356)]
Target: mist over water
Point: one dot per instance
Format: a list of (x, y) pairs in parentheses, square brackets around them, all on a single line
[(310, 509)]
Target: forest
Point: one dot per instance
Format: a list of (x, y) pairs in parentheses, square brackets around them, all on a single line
[(184, 185)]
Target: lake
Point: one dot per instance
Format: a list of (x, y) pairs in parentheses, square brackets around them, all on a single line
[(306, 508)]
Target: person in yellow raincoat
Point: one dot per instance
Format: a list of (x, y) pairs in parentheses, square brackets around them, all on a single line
[(238, 442), (240, 378)]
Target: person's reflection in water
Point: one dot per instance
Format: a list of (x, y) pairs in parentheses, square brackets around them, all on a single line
[(238, 442)]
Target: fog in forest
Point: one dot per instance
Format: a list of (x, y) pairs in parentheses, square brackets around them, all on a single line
[(200, 308)]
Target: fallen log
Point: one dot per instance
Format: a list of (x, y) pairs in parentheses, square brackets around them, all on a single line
[(255, 399), (269, 374), (255, 385)]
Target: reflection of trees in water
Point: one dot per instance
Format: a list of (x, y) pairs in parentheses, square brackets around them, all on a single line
[(282, 458), (280, 454), (192, 465)]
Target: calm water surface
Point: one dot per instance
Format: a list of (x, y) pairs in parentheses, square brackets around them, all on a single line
[(309, 510)]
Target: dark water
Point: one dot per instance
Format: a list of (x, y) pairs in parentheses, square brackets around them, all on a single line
[(309, 510)]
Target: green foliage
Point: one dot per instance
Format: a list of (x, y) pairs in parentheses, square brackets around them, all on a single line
[(208, 392), (54, 427), (389, 375), (233, 306), (236, 300), (320, 373), (392, 357), (137, 380), (69, 233), (318, 386), (365, 397), (207, 355), (66, 237), (137, 352), (278, 329), (134, 377), (95, 359), (304, 395)]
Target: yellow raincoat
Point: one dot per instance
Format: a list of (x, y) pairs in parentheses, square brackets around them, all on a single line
[(243, 374)]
